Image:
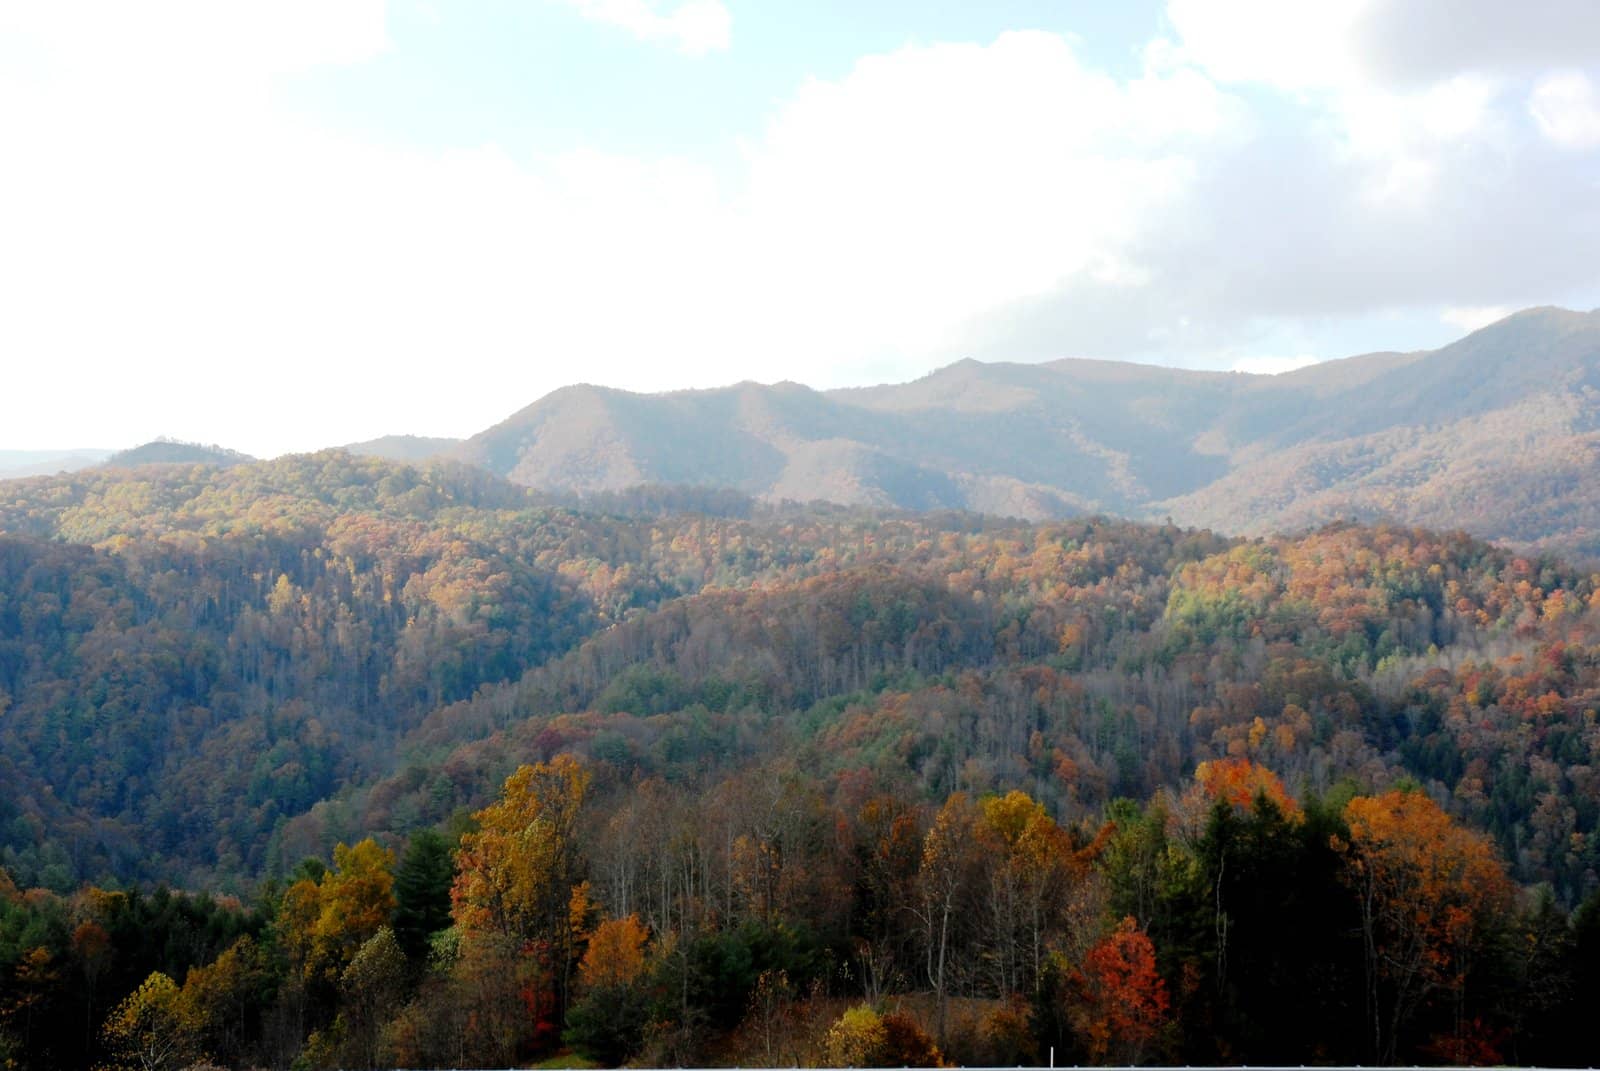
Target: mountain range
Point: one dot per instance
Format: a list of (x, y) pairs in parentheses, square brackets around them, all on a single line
[(1497, 434)]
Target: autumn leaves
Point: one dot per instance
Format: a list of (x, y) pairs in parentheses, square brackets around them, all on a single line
[(1429, 892), (1225, 920)]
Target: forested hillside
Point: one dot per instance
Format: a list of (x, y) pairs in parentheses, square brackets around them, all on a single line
[(682, 774)]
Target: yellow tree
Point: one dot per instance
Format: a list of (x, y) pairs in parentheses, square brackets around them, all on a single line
[(355, 901), (1427, 888), (321, 923), (223, 999), (152, 1029), (515, 874), (856, 1039), (518, 885), (1028, 855), (296, 923), (945, 883)]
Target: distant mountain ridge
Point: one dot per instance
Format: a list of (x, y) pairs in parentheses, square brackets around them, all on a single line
[(175, 452), (1497, 433), (404, 447), (15, 464)]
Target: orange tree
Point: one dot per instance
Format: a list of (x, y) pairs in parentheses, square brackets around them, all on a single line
[(1120, 1000), (1428, 891), (608, 1020)]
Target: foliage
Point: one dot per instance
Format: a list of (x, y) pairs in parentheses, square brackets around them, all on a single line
[(667, 779), (858, 1038), (515, 873), (422, 892), (152, 1029), (1428, 889), (615, 955), (370, 989), (1122, 1001)]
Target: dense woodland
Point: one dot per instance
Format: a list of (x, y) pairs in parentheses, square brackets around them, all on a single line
[(343, 762)]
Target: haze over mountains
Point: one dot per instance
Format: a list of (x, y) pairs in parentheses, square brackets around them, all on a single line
[(15, 464), (1497, 433)]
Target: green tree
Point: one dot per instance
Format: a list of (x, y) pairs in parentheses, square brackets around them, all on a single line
[(422, 892), (370, 989)]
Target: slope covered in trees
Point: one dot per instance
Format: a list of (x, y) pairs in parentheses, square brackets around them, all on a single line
[(694, 777), (276, 649)]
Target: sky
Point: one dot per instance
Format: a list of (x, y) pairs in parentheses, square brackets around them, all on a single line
[(291, 224)]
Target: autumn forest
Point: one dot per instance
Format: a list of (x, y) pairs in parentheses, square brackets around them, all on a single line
[(341, 762)]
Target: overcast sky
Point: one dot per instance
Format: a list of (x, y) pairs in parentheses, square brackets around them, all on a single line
[(296, 223)]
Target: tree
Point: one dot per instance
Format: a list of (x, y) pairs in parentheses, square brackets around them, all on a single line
[(515, 887), (856, 1039), (1027, 855), (151, 1030), (357, 899), (771, 1014), (944, 883), (91, 947), (615, 956), (35, 979), (1428, 889), (515, 874), (225, 998), (886, 850), (422, 892), (608, 1021), (371, 987), (906, 1044), (1240, 783), (1121, 1000)]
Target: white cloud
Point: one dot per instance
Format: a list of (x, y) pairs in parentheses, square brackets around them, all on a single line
[(882, 209), (1470, 318), (1295, 45), (1400, 133), (693, 27), (932, 183), (1306, 46), (182, 249), (1567, 109), (1271, 366)]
